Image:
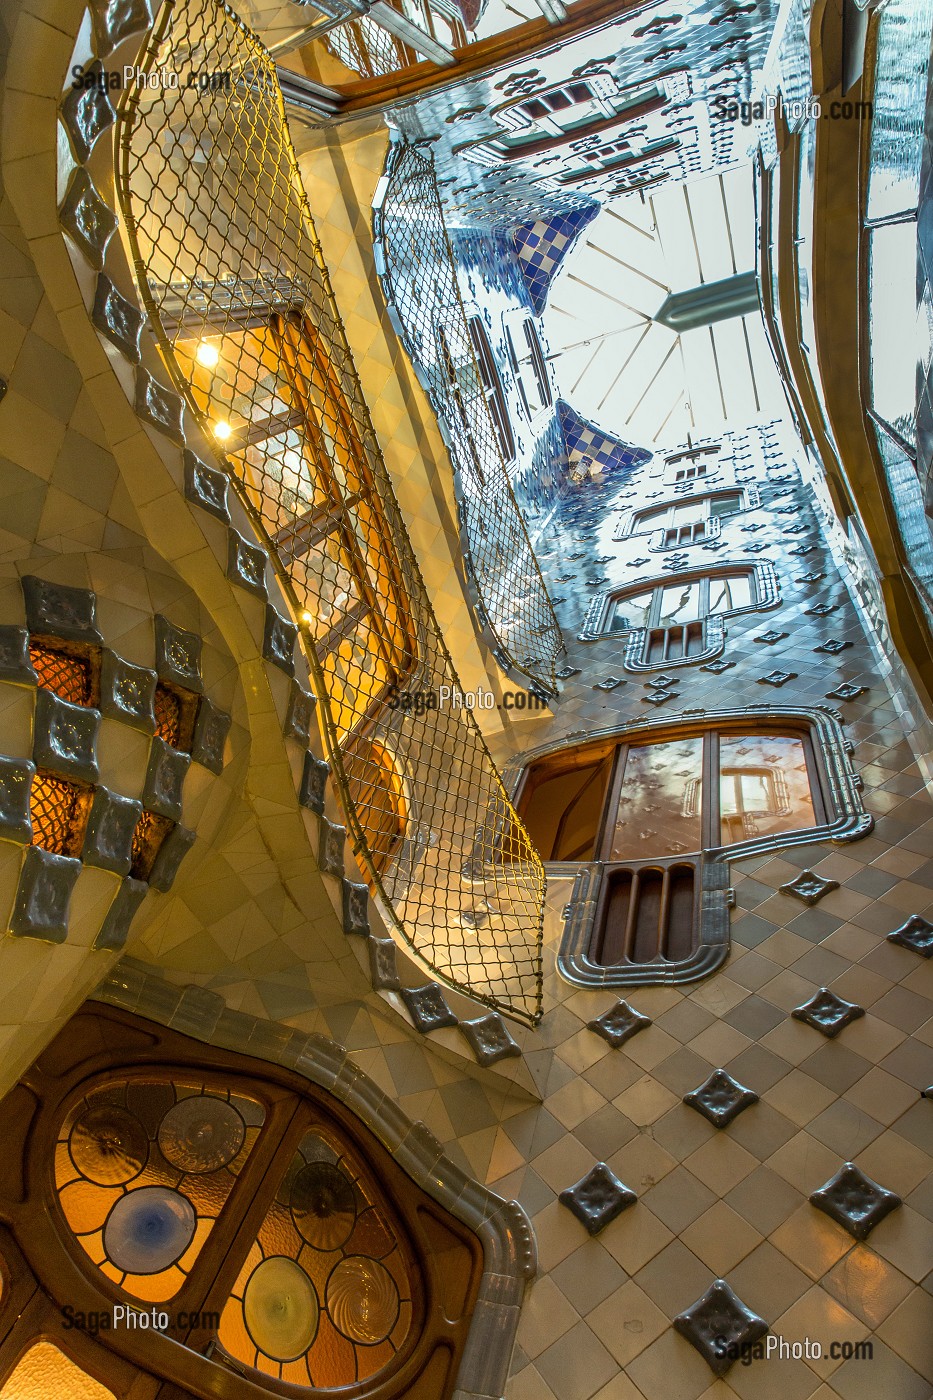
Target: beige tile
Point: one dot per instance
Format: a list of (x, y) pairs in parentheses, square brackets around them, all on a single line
[(563, 1163), (546, 1315), (895, 1163), (819, 1317), (721, 1238), (671, 1368), (635, 1237), (574, 1102), (799, 1097), (867, 1285), (577, 1365), (813, 1241), (645, 1101), (641, 1162), (627, 1322), (805, 1162), (908, 1331), (882, 1095), (721, 1163), (905, 1239)]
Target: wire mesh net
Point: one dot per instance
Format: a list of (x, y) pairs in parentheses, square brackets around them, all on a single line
[(420, 281), (366, 48), (234, 282)]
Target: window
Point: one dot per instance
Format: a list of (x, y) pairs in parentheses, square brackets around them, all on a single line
[(528, 365), (672, 621), (661, 801), (590, 108), (287, 1250), (492, 387), (691, 519), (692, 453), (690, 473), (652, 816), (68, 670), (58, 813), (553, 110), (290, 435), (618, 154)]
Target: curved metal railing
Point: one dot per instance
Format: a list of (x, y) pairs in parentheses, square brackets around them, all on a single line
[(232, 277)]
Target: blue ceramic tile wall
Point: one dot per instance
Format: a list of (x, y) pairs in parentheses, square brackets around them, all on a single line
[(542, 246)]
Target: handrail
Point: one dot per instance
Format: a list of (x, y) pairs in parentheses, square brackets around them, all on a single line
[(217, 220)]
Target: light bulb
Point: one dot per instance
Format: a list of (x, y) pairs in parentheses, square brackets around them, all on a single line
[(207, 355), (222, 431)]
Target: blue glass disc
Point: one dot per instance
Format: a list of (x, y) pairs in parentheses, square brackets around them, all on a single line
[(148, 1229)]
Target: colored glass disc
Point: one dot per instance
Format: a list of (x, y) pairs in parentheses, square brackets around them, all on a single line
[(108, 1145), (201, 1134), (149, 1229), (362, 1299), (281, 1309), (323, 1205)]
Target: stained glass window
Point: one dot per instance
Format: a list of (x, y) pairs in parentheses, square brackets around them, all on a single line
[(266, 1240), (143, 1169), (325, 1295), (45, 1373)]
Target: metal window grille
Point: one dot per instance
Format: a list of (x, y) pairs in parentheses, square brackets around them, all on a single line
[(68, 676), (58, 812), (224, 249), (168, 716), (151, 830), (455, 361)]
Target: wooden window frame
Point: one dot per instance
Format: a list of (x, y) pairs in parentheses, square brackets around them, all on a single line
[(45, 1270)]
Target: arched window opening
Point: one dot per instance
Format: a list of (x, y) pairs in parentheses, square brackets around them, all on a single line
[(651, 816), (266, 1237)]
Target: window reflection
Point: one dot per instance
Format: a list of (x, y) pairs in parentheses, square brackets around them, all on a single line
[(764, 786), (660, 803), (674, 514), (655, 815), (679, 602)]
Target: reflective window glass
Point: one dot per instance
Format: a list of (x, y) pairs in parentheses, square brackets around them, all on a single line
[(631, 612), (681, 602), (727, 592), (764, 786), (659, 808)]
